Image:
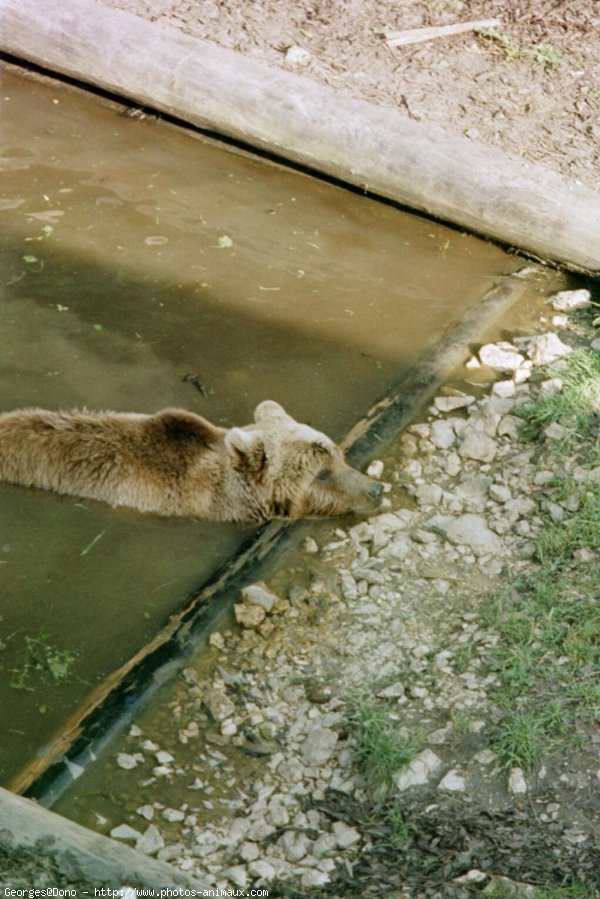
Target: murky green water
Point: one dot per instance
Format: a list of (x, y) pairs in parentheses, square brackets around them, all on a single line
[(132, 254)]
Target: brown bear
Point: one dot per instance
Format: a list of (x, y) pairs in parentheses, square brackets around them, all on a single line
[(177, 463)]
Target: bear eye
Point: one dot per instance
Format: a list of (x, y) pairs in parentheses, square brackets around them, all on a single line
[(324, 475)]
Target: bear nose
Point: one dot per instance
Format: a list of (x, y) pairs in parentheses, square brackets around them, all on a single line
[(376, 491)]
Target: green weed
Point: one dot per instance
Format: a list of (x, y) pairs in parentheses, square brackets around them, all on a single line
[(575, 407), (509, 47), (41, 657), (549, 646), (547, 56), (379, 750)]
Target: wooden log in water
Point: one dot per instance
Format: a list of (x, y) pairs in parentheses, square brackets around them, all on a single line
[(27, 829)]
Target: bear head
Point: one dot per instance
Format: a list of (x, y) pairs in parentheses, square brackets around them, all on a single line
[(297, 472)]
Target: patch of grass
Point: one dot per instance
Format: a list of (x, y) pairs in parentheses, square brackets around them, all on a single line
[(379, 749), (574, 891), (556, 543), (576, 407), (547, 56), (547, 661), (509, 47)]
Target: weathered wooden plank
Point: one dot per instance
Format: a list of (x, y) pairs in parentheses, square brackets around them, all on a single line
[(415, 164), (26, 827)]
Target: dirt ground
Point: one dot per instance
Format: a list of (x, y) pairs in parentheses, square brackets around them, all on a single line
[(530, 87)]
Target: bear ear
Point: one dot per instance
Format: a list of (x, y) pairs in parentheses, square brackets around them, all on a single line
[(238, 442), (269, 410)]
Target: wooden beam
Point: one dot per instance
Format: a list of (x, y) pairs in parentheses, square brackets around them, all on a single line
[(26, 827)]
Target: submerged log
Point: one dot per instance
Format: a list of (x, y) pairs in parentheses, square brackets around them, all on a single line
[(377, 149)]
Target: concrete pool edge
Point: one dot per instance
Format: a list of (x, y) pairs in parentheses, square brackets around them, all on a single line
[(417, 165), (80, 853)]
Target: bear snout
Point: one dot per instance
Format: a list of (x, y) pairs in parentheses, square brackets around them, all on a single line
[(376, 491)]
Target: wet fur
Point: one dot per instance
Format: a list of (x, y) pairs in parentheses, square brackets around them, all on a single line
[(178, 463)]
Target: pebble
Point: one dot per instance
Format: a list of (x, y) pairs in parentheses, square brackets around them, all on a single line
[(452, 782), (503, 356), (126, 761), (345, 836), (419, 771), (478, 446), (547, 348), (516, 782), (150, 841), (249, 616), (125, 832), (297, 56), (319, 745), (375, 469), (571, 300), (451, 403), (259, 595)]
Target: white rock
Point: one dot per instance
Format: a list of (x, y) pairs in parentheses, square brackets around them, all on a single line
[(500, 493), (523, 372), (146, 811), (261, 869), (172, 815), (442, 433), (375, 469), (394, 691), (125, 832), (559, 321), (228, 727), (551, 386), (319, 745), (150, 841), (345, 836), (472, 876), (547, 348), (452, 782), (259, 595), (237, 875), (428, 494), (478, 446), (418, 771), (450, 403), (569, 300), (555, 431), (126, 761), (310, 546), (398, 549), (163, 757), (249, 616), (516, 782), (325, 843), (294, 845), (297, 56), (472, 530), (249, 852), (218, 704), (595, 344), (314, 878), (501, 356), (508, 426), (504, 389)]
